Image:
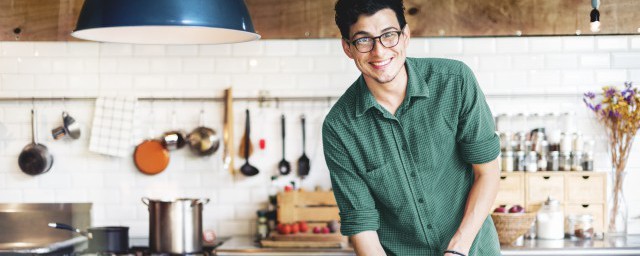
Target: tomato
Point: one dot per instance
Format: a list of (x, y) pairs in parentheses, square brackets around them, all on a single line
[(287, 229), (317, 230), (284, 229), (294, 228), (302, 225)]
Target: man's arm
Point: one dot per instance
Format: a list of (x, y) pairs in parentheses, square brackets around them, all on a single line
[(481, 197), (358, 216), (367, 243)]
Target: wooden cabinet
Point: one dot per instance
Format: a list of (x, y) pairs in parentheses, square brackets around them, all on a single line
[(578, 192), (511, 191), (540, 186)]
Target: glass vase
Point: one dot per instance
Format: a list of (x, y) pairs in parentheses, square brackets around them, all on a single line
[(618, 211)]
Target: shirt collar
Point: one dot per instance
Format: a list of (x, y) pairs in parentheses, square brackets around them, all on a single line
[(417, 81), (415, 88)]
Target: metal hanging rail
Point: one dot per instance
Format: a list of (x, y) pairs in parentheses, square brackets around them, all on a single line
[(216, 99), (277, 99)]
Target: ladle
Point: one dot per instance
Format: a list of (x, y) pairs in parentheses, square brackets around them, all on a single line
[(247, 169)]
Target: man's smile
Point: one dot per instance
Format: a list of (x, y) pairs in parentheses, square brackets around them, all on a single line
[(381, 64)]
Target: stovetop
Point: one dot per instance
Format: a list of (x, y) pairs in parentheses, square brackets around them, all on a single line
[(146, 251), (207, 250)]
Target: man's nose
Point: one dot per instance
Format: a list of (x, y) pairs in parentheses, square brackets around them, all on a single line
[(378, 48)]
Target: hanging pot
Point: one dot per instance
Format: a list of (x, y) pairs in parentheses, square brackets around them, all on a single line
[(35, 158), (69, 128), (174, 139), (203, 140)]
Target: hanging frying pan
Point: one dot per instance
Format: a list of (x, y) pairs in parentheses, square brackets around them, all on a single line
[(35, 158), (151, 157)]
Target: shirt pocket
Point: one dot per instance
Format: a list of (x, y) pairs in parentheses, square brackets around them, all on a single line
[(385, 184)]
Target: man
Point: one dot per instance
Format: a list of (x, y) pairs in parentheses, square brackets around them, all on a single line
[(410, 145)]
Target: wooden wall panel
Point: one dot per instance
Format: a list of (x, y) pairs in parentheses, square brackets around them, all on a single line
[(38, 20), (53, 20)]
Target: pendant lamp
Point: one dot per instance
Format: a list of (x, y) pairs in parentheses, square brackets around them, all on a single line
[(165, 22)]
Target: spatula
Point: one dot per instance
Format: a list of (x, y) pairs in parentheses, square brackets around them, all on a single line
[(284, 167)]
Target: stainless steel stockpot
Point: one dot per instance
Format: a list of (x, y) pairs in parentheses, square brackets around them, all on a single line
[(175, 226)]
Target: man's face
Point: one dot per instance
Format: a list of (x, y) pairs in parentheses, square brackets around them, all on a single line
[(381, 64)]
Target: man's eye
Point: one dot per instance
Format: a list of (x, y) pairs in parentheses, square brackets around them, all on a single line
[(364, 40), (388, 34)]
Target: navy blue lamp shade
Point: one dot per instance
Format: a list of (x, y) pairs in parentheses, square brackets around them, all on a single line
[(165, 22)]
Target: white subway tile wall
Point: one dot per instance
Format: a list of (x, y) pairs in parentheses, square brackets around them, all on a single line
[(314, 67)]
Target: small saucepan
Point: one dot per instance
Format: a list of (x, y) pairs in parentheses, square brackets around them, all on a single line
[(35, 158), (203, 140), (102, 239)]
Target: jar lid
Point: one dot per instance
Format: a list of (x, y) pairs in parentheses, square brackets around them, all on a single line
[(552, 202)]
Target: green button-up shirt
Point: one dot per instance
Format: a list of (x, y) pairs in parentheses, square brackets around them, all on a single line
[(407, 176)]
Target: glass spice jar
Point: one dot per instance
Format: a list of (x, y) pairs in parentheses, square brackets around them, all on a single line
[(520, 162), (587, 162), (554, 161), (584, 226), (566, 142), (564, 161), (507, 161), (570, 226), (576, 161), (532, 162)]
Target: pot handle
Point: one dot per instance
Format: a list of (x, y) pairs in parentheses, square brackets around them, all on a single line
[(202, 201), (145, 202)]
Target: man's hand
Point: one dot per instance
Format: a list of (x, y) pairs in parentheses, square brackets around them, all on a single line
[(481, 197), (367, 243)]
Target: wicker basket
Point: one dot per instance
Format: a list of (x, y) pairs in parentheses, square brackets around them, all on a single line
[(510, 226)]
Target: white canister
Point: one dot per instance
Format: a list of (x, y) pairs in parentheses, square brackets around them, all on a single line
[(550, 220)]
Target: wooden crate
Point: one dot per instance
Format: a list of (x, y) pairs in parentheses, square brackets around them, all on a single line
[(316, 207)]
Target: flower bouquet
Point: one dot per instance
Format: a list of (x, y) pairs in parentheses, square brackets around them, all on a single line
[(619, 112)]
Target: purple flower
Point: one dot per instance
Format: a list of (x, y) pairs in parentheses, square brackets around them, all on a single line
[(610, 92), (590, 95), (597, 108), (614, 114)]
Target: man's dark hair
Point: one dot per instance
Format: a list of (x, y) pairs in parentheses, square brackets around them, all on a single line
[(348, 11)]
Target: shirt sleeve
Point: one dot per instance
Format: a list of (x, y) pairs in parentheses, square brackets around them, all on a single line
[(477, 141), (356, 204)]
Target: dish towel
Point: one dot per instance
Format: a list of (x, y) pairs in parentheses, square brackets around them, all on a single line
[(112, 130)]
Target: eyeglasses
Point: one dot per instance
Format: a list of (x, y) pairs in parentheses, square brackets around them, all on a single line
[(388, 40)]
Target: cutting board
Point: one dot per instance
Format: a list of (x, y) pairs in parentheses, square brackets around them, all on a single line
[(306, 240)]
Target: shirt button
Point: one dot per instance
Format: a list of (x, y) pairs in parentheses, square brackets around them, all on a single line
[(413, 174), (404, 147), (420, 200), (429, 226)]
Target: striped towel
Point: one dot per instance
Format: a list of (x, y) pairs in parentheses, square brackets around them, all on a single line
[(112, 130)]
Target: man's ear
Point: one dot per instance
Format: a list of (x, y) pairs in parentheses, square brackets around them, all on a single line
[(346, 48), (407, 34)]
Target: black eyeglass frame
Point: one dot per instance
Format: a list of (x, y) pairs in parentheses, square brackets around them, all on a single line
[(379, 39)]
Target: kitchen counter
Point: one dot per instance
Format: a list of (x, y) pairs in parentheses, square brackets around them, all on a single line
[(629, 245), (625, 245), (245, 245)]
